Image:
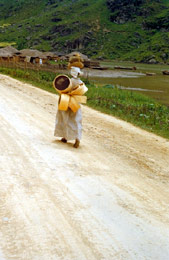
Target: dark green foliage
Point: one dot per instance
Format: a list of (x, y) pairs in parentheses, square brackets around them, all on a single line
[(158, 22), (124, 9)]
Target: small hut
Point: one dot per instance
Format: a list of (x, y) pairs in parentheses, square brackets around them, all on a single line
[(51, 55), (9, 53), (32, 56), (11, 50), (5, 56)]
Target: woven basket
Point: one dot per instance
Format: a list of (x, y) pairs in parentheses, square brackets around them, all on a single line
[(62, 84)]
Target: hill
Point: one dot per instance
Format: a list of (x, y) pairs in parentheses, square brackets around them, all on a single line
[(135, 30)]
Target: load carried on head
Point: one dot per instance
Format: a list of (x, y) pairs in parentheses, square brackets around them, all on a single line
[(71, 95), (75, 61)]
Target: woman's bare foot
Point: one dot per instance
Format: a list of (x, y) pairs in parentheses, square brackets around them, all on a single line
[(64, 140), (76, 144)]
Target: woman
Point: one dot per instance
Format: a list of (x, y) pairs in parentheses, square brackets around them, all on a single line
[(68, 123)]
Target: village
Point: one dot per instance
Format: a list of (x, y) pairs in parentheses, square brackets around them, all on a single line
[(29, 58), (51, 61)]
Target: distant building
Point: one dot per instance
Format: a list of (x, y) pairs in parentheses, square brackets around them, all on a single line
[(32, 56), (8, 53), (51, 55)]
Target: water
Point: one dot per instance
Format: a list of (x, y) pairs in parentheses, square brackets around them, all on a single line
[(156, 86)]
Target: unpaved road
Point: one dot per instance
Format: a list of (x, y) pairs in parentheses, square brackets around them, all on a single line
[(108, 200)]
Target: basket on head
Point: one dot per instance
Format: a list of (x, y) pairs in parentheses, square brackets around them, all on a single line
[(62, 84), (75, 61)]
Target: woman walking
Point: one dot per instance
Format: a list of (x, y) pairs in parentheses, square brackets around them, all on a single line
[(68, 124)]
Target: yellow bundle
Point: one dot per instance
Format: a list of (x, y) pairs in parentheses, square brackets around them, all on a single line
[(69, 98)]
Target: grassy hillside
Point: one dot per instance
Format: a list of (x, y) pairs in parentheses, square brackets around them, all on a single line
[(135, 30)]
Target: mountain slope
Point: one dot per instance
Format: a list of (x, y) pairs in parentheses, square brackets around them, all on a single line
[(114, 29)]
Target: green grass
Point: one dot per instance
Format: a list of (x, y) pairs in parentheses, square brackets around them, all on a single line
[(40, 79), (5, 25), (135, 108), (5, 44)]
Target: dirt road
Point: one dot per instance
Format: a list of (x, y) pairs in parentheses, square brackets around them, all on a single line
[(107, 200)]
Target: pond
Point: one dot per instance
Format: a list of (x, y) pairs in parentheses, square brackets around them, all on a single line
[(156, 86)]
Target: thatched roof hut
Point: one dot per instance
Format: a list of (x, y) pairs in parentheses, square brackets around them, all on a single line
[(33, 56), (8, 52), (10, 49), (59, 54), (5, 54), (49, 54), (32, 53)]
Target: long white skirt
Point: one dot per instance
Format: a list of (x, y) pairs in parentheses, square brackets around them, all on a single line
[(68, 124)]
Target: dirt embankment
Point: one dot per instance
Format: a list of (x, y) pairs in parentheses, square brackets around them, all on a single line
[(106, 200)]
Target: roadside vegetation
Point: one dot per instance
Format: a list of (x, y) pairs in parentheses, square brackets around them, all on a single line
[(135, 108)]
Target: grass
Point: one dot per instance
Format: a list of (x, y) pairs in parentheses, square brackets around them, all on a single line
[(135, 108), (40, 79), (5, 25), (5, 44)]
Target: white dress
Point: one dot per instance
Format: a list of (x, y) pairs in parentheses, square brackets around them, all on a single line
[(69, 124)]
